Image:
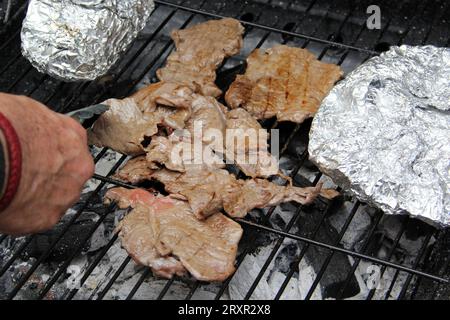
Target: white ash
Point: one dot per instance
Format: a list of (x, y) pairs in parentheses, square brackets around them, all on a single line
[(367, 281), (149, 289), (360, 224), (272, 280)]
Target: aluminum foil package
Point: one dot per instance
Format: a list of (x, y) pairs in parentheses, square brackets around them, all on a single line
[(81, 39), (383, 133)]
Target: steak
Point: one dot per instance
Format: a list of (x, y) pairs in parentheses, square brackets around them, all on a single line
[(283, 82), (130, 121), (162, 233), (200, 50), (211, 190)]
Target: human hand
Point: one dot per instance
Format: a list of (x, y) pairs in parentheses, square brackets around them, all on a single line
[(56, 163)]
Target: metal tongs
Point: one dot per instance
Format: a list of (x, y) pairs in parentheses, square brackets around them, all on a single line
[(88, 115)]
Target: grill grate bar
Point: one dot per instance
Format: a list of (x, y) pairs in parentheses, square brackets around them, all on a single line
[(439, 284), (25, 278), (274, 251), (419, 258), (165, 289), (10, 39), (136, 287), (77, 251), (411, 21), (19, 78), (14, 17), (125, 262), (16, 255), (93, 265), (193, 290), (390, 254), (325, 265), (306, 246), (345, 251), (415, 264), (364, 250), (272, 29), (10, 63)]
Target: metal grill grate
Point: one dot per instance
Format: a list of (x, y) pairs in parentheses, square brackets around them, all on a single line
[(336, 33)]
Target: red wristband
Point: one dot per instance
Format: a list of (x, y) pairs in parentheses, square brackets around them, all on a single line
[(14, 159)]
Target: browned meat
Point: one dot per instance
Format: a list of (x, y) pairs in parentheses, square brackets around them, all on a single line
[(162, 233), (200, 50), (245, 125), (208, 114), (136, 170), (139, 240), (208, 117), (260, 193), (211, 190), (130, 121), (206, 190), (283, 82)]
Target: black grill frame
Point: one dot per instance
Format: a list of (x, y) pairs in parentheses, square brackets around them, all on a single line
[(65, 97)]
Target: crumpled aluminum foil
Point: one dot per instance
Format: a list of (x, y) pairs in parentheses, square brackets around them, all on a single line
[(81, 39), (383, 133)]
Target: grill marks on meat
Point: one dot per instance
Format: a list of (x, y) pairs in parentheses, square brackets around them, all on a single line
[(200, 50), (162, 233), (283, 82), (130, 121), (209, 191)]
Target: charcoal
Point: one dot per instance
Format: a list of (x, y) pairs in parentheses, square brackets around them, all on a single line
[(65, 247), (339, 267)]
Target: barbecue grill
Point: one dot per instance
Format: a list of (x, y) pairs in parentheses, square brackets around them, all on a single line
[(331, 249)]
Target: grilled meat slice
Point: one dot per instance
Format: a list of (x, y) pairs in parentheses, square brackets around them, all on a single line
[(163, 233), (251, 156), (211, 190), (140, 241), (200, 50), (128, 122), (283, 82), (206, 124), (205, 190), (260, 193), (136, 170)]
